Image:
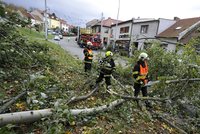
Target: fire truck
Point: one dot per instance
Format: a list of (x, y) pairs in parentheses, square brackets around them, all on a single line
[(86, 35)]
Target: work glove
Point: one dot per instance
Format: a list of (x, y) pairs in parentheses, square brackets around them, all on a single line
[(100, 61)]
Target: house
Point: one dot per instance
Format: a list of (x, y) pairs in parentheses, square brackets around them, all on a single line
[(179, 33), (120, 33), (26, 16), (138, 32), (102, 27), (54, 21), (37, 19), (64, 26), (92, 23), (38, 13)]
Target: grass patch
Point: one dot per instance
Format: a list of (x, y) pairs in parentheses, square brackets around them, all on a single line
[(32, 34)]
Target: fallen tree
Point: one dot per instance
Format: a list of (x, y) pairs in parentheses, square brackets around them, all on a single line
[(35, 115), (172, 81)]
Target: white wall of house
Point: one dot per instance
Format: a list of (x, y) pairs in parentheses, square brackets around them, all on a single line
[(33, 22), (65, 27), (171, 43), (151, 32), (154, 27), (128, 24), (113, 32), (164, 24)]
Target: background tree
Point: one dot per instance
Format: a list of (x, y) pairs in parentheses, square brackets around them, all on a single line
[(2, 11)]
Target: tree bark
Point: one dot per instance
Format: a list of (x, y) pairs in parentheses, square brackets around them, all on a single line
[(35, 115)]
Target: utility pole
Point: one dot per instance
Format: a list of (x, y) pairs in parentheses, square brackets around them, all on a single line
[(114, 45), (45, 14), (131, 39), (101, 34), (78, 34)]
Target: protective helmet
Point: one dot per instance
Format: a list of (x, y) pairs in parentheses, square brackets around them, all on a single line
[(143, 56), (89, 43), (108, 53)]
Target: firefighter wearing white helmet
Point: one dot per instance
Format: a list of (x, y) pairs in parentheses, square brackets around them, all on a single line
[(140, 76), (143, 56), (107, 66), (88, 57)]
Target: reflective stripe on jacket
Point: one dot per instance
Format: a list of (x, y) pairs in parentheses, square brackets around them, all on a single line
[(140, 72), (90, 54), (144, 71)]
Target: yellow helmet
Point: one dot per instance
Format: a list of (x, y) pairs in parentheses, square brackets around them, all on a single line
[(108, 53)]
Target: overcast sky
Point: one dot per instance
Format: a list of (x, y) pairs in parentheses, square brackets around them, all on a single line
[(78, 12)]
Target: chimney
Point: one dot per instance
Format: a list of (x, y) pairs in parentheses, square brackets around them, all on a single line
[(176, 18)]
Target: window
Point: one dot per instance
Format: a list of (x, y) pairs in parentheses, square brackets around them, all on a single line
[(124, 29), (106, 31), (144, 29)]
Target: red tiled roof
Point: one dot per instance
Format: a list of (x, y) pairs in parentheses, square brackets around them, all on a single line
[(36, 17), (108, 22), (179, 27), (26, 14), (63, 21)]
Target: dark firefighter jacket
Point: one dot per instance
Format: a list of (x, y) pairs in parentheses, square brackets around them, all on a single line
[(107, 66), (88, 55)]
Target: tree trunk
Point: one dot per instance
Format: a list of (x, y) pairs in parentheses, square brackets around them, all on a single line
[(35, 115)]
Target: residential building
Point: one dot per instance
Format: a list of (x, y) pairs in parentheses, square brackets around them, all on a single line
[(120, 33), (103, 28), (64, 26), (38, 13), (179, 33), (53, 21), (37, 19), (91, 23), (137, 32), (26, 16)]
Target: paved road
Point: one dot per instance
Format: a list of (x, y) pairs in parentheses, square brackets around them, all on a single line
[(70, 45)]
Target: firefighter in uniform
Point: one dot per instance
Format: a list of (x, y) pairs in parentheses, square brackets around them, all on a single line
[(107, 66), (88, 57), (140, 75)]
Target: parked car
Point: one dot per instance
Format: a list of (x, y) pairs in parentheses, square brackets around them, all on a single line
[(60, 36), (57, 38), (54, 33)]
